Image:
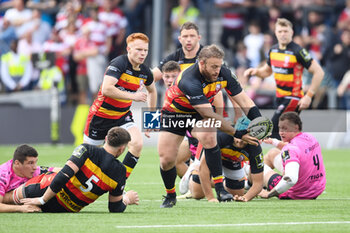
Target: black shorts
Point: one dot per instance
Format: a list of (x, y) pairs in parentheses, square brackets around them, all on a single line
[(284, 104), (37, 186), (273, 181), (97, 127), (178, 123)]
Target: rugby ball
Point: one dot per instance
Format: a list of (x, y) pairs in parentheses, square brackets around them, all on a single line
[(260, 127)]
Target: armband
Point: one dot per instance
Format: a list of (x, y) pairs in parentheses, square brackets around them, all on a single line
[(68, 171), (116, 207), (59, 181), (239, 133), (41, 200), (253, 113)]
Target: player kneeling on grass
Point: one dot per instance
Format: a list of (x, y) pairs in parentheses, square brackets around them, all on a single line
[(233, 152), (90, 172), (304, 175)]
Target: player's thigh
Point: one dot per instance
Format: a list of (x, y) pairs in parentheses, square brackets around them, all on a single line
[(136, 137), (270, 156), (206, 136), (168, 146)]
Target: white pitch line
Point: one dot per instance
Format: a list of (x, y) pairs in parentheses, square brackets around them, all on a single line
[(232, 225)]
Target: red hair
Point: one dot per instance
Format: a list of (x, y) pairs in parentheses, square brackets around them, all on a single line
[(136, 36)]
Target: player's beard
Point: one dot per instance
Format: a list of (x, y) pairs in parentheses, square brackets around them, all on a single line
[(207, 75)]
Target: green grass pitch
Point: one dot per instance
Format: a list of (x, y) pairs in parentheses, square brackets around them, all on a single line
[(329, 213)]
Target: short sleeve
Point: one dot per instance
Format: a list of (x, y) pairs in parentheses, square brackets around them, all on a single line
[(79, 155), (116, 67), (233, 87), (121, 182), (303, 57)]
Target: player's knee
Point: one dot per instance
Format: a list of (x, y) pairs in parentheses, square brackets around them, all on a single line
[(208, 140), (136, 145)]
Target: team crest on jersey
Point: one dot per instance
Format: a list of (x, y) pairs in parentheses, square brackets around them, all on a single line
[(286, 60), (141, 82), (218, 87), (79, 151), (285, 155)]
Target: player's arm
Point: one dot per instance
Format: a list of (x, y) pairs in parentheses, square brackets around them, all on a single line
[(117, 204), (109, 90), (317, 75), (6, 208), (258, 183), (157, 74), (289, 179), (261, 72), (152, 96), (218, 103)]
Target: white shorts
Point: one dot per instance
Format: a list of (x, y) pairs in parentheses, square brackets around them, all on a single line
[(233, 174), (94, 142)]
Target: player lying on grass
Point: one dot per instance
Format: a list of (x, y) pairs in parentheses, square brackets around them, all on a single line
[(304, 175), (90, 172), (18, 170), (233, 152)]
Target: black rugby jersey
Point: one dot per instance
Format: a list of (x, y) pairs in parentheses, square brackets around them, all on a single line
[(190, 88), (179, 57), (128, 80), (99, 172), (287, 66), (232, 156)]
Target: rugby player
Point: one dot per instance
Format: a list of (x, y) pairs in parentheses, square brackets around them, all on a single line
[(123, 79), (304, 175), (287, 60), (90, 172), (189, 98)]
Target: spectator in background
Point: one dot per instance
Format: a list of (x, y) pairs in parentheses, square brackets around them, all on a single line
[(7, 35), (16, 69), (339, 62), (69, 37), (344, 18), (70, 10), (254, 42), (18, 16), (83, 49), (55, 44), (111, 15), (102, 39), (232, 21), (47, 8), (181, 14)]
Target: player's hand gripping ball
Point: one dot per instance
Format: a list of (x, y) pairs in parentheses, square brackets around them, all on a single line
[(260, 127)]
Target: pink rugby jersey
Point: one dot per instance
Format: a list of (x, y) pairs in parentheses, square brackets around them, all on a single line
[(305, 150), (10, 181)]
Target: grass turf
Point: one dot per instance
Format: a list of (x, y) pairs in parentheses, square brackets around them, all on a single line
[(329, 213)]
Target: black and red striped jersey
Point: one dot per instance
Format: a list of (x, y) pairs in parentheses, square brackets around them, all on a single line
[(287, 66), (99, 172), (190, 88), (179, 57), (232, 156), (128, 80)]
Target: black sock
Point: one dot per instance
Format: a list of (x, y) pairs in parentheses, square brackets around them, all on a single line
[(213, 159), (130, 162), (169, 178)]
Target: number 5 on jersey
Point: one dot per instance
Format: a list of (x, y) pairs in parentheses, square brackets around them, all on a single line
[(89, 183)]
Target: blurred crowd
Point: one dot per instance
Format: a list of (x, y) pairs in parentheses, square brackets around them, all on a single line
[(69, 43)]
